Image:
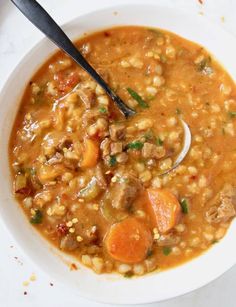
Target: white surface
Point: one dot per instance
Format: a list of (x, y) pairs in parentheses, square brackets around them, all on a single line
[(16, 37), (111, 288)]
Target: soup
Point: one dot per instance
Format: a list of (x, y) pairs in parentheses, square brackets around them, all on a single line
[(92, 182)]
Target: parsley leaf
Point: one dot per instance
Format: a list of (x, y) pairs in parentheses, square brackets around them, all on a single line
[(37, 217), (136, 145), (149, 135), (112, 161), (128, 274), (178, 111), (155, 31), (103, 110), (184, 206), (232, 114), (159, 141), (204, 66), (149, 253), (138, 98), (166, 250)]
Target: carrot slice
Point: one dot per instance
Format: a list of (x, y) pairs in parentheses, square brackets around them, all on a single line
[(164, 209), (128, 241), (90, 154)]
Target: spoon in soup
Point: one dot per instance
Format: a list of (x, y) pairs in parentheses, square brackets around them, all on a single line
[(45, 23)]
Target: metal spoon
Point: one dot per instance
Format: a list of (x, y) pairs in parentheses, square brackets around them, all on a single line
[(185, 149), (44, 22)]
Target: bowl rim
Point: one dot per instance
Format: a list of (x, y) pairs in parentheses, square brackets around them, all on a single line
[(231, 260)]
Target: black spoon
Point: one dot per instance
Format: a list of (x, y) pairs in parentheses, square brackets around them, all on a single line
[(44, 22)]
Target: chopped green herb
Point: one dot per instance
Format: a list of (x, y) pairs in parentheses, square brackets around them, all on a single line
[(136, 145), (130, 208), (178, 111), (159, 141), (112, 161), (156, 31), (150, 97), (166, 250), (214, 241), (163, 58), (138, 98), (103, 110), (149, 253), (149, 135), (204, 66), (37, 217), (184, 205), (30, 171), (232, 114), (128, 274)]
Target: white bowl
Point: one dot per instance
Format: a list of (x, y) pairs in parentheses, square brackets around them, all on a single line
[(111, 288)]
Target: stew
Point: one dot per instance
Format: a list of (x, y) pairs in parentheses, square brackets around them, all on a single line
[(89, 180)]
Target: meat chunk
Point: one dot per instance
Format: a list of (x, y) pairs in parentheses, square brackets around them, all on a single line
[(99, 128), (116, 148), (224, 206), (152, 151), (122, 157), (68, 243), (117, 131), (56, 159), (101, 180), (87, 96), (124, 191), (90, 116), (105, 147)]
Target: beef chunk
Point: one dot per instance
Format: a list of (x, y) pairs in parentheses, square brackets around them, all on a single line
[(68, 243), (152, 151), (105, 147), (124, 191), (224, 206), (122, 157), (56, 159), (101, 180), (116, 147), (117, 131)]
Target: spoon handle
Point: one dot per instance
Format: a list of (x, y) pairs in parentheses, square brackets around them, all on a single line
[(44, 22)]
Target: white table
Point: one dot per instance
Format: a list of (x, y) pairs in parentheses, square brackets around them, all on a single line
[(17, 36)]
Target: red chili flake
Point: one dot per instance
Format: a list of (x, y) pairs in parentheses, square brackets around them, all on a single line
[(73, 267), (107, 34), (193, 177), (25, 293), (26, 191), (62, 229)]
